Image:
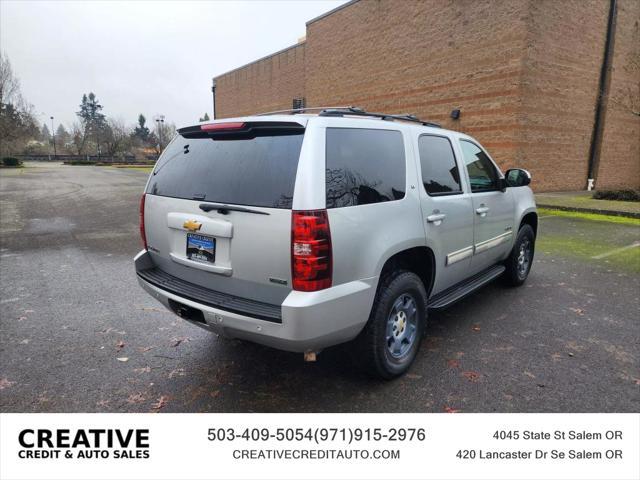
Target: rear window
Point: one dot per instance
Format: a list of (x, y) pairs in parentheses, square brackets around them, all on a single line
[(364, 166), (258, 171)]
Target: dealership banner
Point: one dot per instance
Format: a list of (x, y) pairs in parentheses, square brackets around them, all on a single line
[(310, 446)]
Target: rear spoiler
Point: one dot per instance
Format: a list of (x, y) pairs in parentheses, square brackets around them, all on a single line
[(241, 130)]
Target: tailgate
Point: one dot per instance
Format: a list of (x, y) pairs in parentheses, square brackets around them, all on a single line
[(218, 209)]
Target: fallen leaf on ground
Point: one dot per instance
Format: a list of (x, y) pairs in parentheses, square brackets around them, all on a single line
[(123, 359), (135, 398), (179, 340), (142, 370), (120, 345), (471, 376), (578, 311), (453, 363), (476, 328), (570, 354), (162, 401), (25, 341), (178, 372), (215, 393), (103, 403), (4, 383), (529, 374), (21, 318), (145, 349), (451, 410)]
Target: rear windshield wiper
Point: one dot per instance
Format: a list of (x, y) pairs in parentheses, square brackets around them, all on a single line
[(225, 209)]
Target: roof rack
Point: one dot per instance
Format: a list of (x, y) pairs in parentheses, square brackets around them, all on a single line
[(354, 111), (293, 111), (359, 112)]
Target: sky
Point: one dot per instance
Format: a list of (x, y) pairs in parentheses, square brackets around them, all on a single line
[(150, 57)]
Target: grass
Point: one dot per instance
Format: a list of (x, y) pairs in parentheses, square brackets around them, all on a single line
[(596, 217)]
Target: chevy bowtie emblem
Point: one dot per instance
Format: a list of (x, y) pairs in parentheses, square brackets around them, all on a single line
[(192, 225)]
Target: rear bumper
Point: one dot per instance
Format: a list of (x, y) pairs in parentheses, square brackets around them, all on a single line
[(310, 320)]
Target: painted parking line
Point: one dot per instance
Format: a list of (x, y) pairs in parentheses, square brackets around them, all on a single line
[(617, 250)]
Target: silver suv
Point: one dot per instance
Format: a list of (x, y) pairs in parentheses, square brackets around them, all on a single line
[(303, 231)]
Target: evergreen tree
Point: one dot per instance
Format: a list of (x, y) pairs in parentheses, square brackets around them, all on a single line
[(205, 118), (45, 135), (142, 131), (93, 121)]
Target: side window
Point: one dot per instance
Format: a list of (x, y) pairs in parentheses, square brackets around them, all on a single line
[(483, 175), (364, 166), (440, 175)]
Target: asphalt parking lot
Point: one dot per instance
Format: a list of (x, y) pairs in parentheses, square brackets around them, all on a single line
[(77, 333)]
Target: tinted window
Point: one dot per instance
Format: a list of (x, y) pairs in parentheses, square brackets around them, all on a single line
[(364, 166), (257, 171), (440, 175), (483, 175)]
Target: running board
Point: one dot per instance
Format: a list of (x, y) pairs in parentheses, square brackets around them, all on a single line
[(462, 289)]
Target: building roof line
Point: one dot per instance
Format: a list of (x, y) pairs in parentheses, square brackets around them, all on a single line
[(266, 57), (331, 12)]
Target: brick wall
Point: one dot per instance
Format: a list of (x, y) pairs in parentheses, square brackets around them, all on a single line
[(265, 85), (620, 153), (565, 49), (523, 72)]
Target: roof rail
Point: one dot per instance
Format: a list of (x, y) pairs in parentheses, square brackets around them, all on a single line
[(303, 110), (359, 112), (355, 111)]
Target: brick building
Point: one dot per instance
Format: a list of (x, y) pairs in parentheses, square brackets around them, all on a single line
[(525, 74)]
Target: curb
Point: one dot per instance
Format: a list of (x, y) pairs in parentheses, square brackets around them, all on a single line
[(615, 213)]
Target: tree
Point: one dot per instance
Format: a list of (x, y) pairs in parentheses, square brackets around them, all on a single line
[(17, 120), (92, 119), (79, 137), (142, 132), (62, 137), (45, 135), (162, 135), (117, 139), (205, 118)]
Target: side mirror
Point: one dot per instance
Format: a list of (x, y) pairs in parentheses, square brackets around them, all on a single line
[(517, 177)]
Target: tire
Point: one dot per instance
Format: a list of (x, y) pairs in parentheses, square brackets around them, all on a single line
[(391, 339), (521, 257)]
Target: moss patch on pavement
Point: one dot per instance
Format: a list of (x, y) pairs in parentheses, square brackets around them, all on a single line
[(589, 238), (596, 217)]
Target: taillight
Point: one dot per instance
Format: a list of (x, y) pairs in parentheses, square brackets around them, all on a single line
[(143, 235), (311, 262)]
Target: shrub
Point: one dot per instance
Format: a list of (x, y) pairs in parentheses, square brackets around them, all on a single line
[(624, 195), (11, 162)]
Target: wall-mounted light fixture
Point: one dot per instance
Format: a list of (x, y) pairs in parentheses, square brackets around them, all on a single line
[(455, 114)]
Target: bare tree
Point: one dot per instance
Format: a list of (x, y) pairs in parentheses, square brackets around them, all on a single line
[(79, 136), (9, 84), (17, 120), (117, 137)]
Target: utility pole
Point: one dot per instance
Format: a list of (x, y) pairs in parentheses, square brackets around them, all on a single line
[(53, 137)]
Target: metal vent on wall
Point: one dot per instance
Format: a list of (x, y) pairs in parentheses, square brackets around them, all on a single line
[(298, 103)]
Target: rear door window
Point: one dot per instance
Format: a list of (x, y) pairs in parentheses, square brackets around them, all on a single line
[(440, 175), (258, 171), (364, 166)]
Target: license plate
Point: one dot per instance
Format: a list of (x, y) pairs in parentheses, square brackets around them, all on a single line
[(201, 248)]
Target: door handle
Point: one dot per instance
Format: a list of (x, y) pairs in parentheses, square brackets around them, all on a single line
[(436, 217), (482, 211)]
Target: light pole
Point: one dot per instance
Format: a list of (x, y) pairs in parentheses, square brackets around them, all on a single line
[(160, 123), (53, 137)]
